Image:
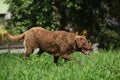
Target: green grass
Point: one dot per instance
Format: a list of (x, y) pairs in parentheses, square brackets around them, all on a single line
[(97, 66)]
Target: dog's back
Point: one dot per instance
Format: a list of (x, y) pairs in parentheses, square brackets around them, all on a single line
[(55, 41)]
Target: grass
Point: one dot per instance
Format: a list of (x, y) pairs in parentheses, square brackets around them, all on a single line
[(98, 66)]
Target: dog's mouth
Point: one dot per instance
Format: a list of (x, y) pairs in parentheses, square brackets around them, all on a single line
[(85, 51)]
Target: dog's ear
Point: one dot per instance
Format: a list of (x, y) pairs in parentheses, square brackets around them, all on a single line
[(79, 41)]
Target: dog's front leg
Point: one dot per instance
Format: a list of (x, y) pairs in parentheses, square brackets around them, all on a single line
[(67, 57), (56, 57)]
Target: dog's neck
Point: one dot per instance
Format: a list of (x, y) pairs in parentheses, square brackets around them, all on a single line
[(75, 47)]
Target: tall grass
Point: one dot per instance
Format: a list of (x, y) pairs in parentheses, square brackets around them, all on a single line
[(97, 66)]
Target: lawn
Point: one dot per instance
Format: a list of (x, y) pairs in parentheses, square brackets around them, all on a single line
[(104, 65)]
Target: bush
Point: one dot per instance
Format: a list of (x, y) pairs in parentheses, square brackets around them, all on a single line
[(80, 15)]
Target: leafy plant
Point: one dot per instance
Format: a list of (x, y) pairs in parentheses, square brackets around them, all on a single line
[(2, 30), (104, 65)]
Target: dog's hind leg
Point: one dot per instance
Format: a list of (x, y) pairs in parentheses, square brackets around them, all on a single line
[(28, 52)]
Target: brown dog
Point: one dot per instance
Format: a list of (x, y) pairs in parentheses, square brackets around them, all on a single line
[(57, 43)]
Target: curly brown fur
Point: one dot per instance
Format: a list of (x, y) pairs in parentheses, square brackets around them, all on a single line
[(57, 43)]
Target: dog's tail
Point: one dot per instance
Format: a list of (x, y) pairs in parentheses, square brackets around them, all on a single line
[(17, 37)]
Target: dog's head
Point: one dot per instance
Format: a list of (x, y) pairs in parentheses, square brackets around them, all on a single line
[(83, 45)]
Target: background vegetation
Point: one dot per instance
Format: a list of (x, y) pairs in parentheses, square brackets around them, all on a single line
[(101, 66), (99, 18)]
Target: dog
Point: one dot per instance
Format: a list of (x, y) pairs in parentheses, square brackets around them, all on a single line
[(56, 43)]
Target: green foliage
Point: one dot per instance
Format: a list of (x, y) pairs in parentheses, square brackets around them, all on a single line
[(29, 13), (58, 14), (102, 66), (2, 30)]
